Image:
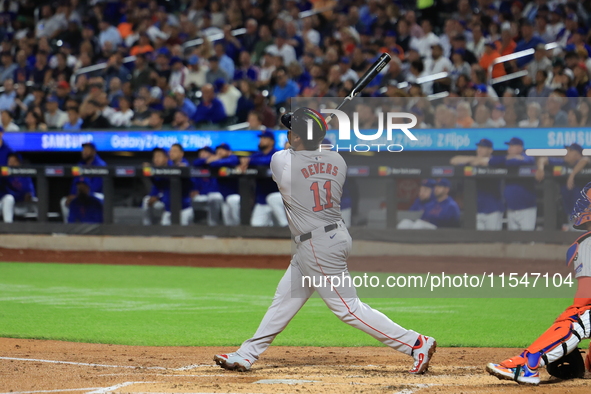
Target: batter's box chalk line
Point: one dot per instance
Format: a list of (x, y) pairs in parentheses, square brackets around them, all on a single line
[(185, 368)]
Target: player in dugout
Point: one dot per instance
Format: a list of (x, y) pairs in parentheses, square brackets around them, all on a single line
[(489, 204), (557, 348)]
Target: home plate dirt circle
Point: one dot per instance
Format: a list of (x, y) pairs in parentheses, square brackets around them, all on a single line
[(35, 366)]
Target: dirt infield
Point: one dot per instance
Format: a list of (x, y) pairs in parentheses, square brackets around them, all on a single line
[(29, 366), (35, 366), (399, 264)]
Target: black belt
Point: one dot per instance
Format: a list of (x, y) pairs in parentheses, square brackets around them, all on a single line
[(307, 236)]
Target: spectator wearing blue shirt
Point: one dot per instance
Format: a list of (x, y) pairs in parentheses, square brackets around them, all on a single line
[(284, 89), (519, 193), (246, 69), (89, 158), (8, 96), (109, 34), (186, 105), (529, 41), (226, 63), (489, 202), (268, 209), (210, 109), (74, 122), (158, 200), (570, 190), (84, 207), (228, 186), (425, 195)]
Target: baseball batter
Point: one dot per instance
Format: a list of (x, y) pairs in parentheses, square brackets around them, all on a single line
[(556, 348), (311, 184)]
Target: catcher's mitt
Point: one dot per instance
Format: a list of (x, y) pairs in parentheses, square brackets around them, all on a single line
[(570, 366)]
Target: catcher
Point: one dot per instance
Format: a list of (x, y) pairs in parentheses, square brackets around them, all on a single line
[(557, 347)]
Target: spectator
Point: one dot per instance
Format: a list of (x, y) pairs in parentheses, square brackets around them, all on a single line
[(108, 34), (85, 207), (251, 36), (34, 121), (178, 74), (210, 109), (8, 66), (488, 57), (539, 62), (142, 47), (246, 101), (539, 91), (226, 64), (246, 69), (197, 74), (497, 117), (554, 109), (7, 123), (74, 122), (284, 89), (529, 41), (268, 209), (50, 23), (141, 73), (62, 93), (95, 184), (228, 95), (181, 121), (159, 197), (490, 207), (93, 117), (459, 42), (8, 96), (41, 72), (478, 42), (464, 115), (440, 213), (482, 117), (61, 71), (156, 121), (141, 113), (265, 41), (281, 47), (116, 69), (183, 102), (425, 195), (215, 72), (124, 116), (55, 118), (437, 64)]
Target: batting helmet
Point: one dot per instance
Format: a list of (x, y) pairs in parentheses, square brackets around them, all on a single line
[(582, 209), (299, 120)]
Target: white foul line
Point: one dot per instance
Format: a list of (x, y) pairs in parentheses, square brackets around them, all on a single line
[(115, 387), (50, 391), (186, 368)]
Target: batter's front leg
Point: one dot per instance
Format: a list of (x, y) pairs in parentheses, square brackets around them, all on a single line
[(284, 307)]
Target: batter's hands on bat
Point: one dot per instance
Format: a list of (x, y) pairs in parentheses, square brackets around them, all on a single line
[(152, 201)]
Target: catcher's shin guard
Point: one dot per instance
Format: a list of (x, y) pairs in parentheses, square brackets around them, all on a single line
[(558, 341)]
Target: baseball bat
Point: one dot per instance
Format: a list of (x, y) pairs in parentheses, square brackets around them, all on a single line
[(364, 80)]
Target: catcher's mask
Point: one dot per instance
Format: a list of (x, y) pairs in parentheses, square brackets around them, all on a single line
[(582, 209), (299, 120)]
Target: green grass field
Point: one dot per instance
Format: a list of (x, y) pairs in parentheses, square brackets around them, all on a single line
[(179, 306)]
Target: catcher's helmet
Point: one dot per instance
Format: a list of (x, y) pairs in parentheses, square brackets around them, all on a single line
[(298, 121), (582, 209)]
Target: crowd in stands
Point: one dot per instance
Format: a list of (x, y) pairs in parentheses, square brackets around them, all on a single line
[(72, 65), (148, 64)]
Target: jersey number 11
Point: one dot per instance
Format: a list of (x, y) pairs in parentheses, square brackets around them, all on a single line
[(317, 201)]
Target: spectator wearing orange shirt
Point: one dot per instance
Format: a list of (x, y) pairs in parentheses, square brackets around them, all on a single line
[(488, 57), (143, 46), (506, 45)]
